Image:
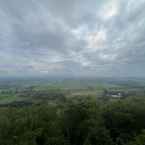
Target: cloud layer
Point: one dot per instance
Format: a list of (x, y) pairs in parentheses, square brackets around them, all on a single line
[(74, 38)]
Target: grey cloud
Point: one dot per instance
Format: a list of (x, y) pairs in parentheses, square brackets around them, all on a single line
[(49, 35)]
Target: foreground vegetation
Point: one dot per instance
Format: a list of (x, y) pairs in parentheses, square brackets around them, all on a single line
[(72, 112), (76, 121)]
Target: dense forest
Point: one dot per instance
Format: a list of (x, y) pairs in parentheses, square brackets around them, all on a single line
[(76, 121)]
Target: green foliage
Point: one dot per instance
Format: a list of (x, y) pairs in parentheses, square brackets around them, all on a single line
[(83, 124), (125, 119), (30, 126), (78, 121), (139, 140)]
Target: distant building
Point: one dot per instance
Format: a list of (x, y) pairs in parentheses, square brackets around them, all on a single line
[(113, 94), (117, 95)]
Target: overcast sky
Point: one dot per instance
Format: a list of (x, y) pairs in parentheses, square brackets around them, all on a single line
[(72, 37)]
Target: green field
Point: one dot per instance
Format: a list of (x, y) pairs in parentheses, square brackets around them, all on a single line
[(45, 90)]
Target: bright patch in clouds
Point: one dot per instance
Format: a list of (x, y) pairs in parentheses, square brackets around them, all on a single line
[(96, 40), (110, 9)]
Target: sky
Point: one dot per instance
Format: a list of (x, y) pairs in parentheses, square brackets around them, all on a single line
[(72, 38)]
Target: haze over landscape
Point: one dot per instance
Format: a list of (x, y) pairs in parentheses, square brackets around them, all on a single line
[(72, 38), (72, 72)]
